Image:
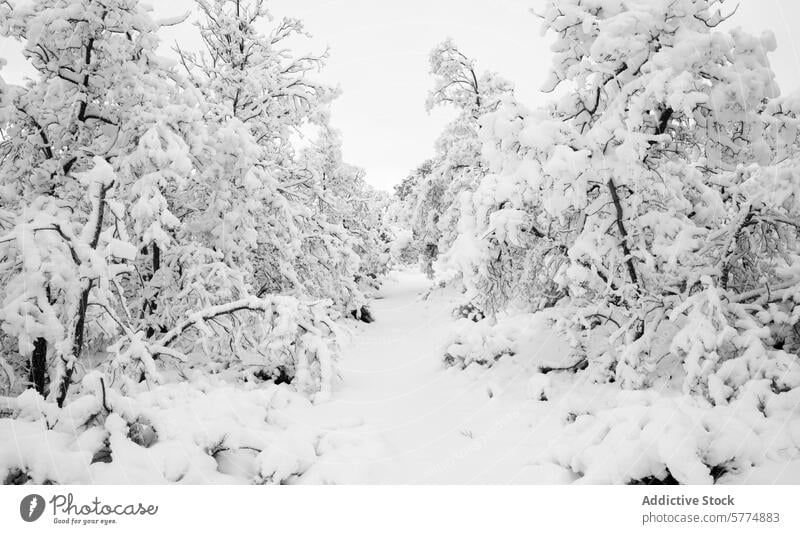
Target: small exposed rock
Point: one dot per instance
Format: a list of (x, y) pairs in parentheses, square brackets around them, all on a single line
[(142, 432), (103, 455), (16, 477)]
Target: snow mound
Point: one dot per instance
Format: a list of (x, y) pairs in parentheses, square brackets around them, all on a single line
[(526, 336), (622, 437), (195, 432)]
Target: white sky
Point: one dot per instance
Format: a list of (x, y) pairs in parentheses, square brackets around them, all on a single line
[(379, 57)]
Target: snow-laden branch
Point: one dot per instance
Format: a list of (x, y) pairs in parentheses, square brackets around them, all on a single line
[(196, 319)]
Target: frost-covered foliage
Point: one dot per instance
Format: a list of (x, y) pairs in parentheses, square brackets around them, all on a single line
[(652, 200), (158, 215), (303, 226), (430, 194), (353, 212)]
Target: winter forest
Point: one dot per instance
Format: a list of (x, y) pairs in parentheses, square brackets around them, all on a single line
[(196, 287)]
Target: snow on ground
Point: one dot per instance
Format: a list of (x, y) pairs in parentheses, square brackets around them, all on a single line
[(436, 424)]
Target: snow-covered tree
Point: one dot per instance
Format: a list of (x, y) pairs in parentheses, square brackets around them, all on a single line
[(345, 200), (652, 194), (680, 129), (260, 94), (432, 201), (510, 243), (98, 92), (139, 211)]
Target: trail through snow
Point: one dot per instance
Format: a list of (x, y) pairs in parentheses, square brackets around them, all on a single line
[(400, 416), (408, 419)]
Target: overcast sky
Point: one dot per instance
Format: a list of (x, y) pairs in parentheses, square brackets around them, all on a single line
[(379, 57)]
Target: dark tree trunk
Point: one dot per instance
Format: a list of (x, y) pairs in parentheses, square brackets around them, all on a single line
[(77, 345), (39, 365), (623, 233), (150, 305), (83, 303)]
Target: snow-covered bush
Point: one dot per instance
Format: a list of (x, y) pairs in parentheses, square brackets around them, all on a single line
[(469, 311), (625, 437), (279, 339), (520, 335), (477, 343), (198, 431), (508, 247), (401, 249), (601, 433)]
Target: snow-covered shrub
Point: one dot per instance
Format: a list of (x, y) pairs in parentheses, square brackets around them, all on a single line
[(627, 437), (476, 343), (199, 431), (528, 337), (279, 339), (539, 387), (401, 249), (469, 311)]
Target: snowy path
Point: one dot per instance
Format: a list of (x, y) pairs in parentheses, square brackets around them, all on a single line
[(413, 420)]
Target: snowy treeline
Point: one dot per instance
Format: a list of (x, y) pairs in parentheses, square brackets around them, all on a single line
[(650, 209), (159, 216), (153, 210)]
